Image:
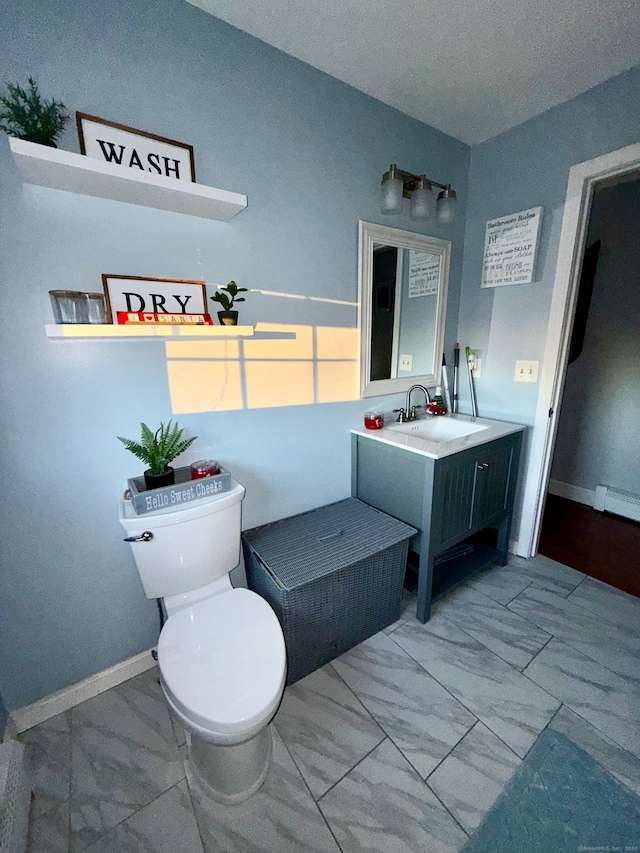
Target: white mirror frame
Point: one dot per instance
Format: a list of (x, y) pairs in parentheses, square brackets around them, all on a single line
[(369, 234)]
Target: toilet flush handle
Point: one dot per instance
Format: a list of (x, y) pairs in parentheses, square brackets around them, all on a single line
[(144, 537)]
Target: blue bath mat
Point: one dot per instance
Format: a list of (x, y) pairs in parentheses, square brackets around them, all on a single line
[(559, 801)]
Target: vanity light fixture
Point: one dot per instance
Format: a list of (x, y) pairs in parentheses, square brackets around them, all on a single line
[(398, 184)]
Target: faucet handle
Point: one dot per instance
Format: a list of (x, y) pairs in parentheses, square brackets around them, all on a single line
[(402, 417), (414, 409)]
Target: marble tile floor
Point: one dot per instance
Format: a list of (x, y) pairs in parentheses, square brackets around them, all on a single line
[(401, 744)]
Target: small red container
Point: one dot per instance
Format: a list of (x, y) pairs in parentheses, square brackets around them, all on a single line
[(204, 468), (374, 420)]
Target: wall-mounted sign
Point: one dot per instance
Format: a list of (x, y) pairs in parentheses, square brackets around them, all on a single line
[(134, 149), (424, 273), (510, 247), (131, 294)]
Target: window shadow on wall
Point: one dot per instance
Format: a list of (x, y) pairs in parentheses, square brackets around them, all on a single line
[(315, 364)]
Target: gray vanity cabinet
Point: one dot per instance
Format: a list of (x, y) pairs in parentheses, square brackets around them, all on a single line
[(449, 500)]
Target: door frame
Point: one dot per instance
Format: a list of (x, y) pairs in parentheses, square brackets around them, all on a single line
[(583, 179)]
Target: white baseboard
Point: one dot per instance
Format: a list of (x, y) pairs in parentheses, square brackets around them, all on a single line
[(62, 700), (572, 493)]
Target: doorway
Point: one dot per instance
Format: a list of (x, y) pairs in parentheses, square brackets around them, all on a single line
[(383, 312), (595, 459), (583, 180)]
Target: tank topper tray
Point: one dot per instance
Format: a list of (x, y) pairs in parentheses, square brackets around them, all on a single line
[(183, 491)]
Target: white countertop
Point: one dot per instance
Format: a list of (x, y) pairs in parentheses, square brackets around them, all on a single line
[(407, 437)]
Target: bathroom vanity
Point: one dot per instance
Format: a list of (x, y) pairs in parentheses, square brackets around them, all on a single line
[(451, 477)]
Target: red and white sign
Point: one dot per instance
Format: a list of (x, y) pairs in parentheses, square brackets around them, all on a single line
[(126, 318)]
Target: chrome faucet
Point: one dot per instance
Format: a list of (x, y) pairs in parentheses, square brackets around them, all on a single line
[(411, 410)]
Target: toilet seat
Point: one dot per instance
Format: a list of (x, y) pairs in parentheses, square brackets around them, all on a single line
[(223, 663)]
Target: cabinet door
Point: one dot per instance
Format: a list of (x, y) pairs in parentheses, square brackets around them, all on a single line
[(493, 468), (454, 496)]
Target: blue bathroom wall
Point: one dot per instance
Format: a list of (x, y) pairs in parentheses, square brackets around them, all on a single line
[(527, 167), (309, 152)]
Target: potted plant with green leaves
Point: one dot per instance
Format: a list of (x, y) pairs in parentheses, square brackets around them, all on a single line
[(26, 114), (227, 296), (157, 449)]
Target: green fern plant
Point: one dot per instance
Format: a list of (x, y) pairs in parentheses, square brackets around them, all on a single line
[(157, 449), (25, 114)]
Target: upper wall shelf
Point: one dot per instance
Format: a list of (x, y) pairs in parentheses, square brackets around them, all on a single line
[(164, 331), (76, 173)]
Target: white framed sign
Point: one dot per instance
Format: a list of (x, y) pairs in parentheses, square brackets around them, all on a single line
[(134, 149), (424, 274), (134, 294), (510, 248)]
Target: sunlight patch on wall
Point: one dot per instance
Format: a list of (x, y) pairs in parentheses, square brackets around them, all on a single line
[(314, 365), (204, 386), (337, 381), (299, 348), (282, 383), (203, 349), (337, 343)]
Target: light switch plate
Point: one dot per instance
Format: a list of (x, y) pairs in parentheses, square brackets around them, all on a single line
[(526, 371), (406, 362)]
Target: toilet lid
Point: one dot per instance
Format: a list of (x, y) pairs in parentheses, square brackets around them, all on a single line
[(223, 661)]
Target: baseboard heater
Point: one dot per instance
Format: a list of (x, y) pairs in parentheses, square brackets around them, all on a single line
[(617, 502)]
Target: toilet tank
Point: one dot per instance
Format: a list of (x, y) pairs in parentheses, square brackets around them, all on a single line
[(190, 547)]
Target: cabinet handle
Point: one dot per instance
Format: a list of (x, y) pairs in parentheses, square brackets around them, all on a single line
[(482, 465)]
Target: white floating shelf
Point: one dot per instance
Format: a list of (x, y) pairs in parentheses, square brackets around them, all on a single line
[(161, 332), (76, 173)]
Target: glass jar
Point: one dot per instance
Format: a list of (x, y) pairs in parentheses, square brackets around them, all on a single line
[(204, 468), (94, 307), (68, 306), (373, 420)]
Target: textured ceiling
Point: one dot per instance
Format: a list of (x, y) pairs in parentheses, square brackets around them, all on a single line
[(471, 68)]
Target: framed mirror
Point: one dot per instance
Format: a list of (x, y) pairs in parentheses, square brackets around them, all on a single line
[(403, 279)]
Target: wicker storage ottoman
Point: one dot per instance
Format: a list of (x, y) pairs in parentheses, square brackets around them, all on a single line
[(333, 576)]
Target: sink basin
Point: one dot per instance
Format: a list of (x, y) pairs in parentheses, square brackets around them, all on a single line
[(438, 428), (438, 436)]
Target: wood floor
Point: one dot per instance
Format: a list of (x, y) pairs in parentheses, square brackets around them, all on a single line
[(600, 545)]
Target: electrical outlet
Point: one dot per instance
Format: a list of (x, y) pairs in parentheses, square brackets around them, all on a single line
[(406, 362), (475, 362), (526, 371)]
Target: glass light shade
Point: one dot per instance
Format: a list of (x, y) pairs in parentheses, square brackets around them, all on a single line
[(391, 192), (421, 201), (446, 207)]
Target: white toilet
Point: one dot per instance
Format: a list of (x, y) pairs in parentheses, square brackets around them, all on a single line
[(221, 652)]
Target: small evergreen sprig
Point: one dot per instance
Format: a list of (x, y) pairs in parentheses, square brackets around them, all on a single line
[(230, 290), (158, 449), (25, 114)]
